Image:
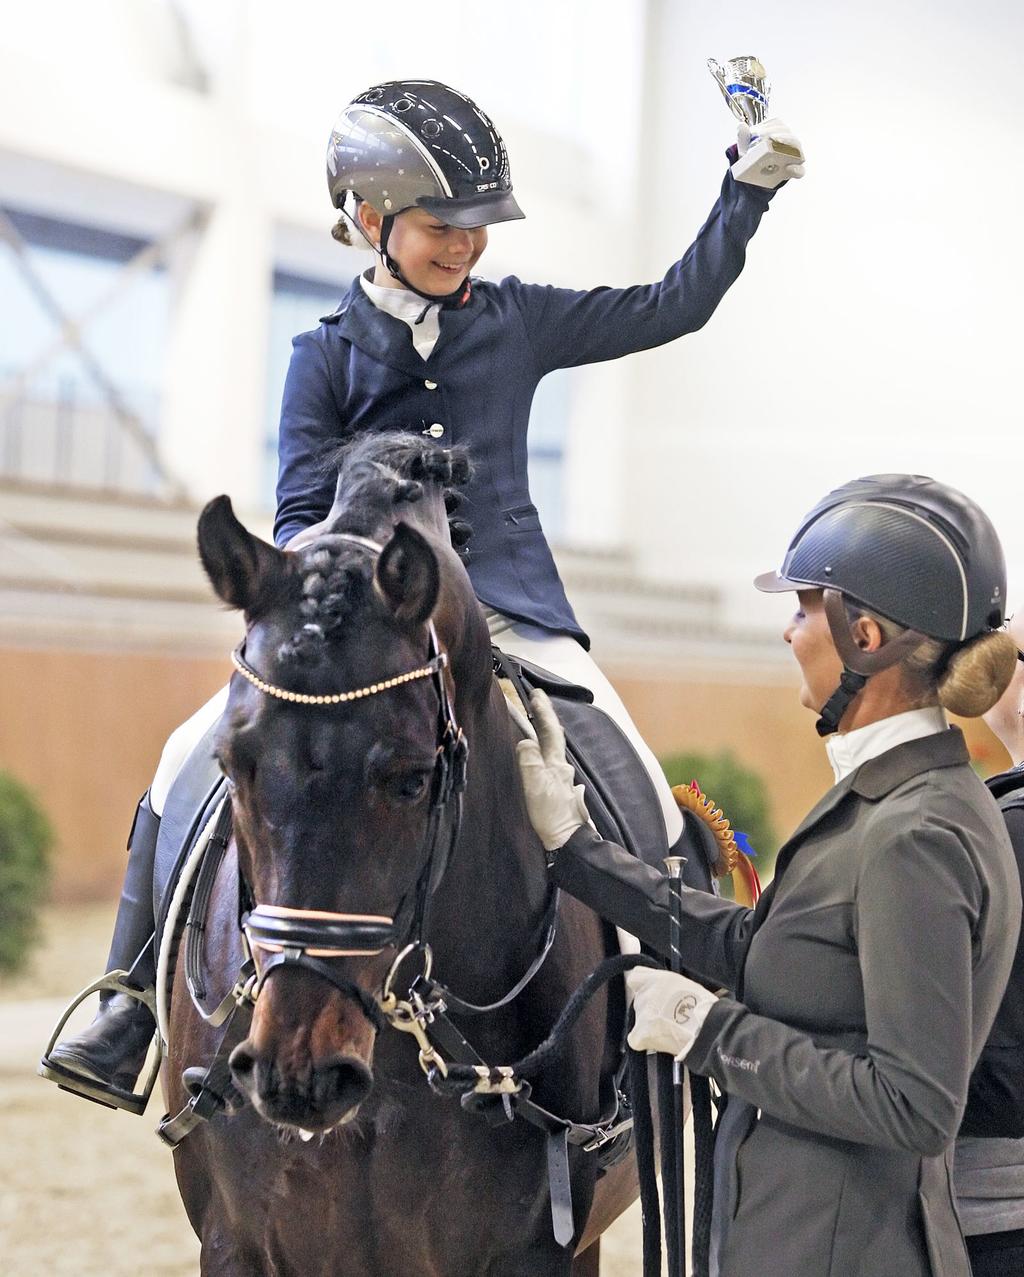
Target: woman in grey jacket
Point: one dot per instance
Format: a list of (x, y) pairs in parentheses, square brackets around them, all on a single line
[(865, 982)]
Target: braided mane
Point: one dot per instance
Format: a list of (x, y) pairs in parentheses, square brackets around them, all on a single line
[(377, 475)]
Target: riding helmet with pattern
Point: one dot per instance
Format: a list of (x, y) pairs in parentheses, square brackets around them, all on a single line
[(419, 143)]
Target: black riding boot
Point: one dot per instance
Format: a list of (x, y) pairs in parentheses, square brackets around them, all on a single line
[(104, 1061)]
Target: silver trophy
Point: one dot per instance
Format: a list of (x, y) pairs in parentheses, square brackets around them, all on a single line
[(745, 86)]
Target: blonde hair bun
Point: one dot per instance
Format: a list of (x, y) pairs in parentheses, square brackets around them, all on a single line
[(977, 674)]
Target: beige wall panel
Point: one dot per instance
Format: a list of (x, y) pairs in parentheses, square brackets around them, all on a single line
[(85, 731), (765, 727)]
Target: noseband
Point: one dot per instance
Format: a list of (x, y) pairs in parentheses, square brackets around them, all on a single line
[(278, 935)]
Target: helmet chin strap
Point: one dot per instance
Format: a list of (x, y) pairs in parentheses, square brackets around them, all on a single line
[(850, 685), (858, 665), (457, 297)]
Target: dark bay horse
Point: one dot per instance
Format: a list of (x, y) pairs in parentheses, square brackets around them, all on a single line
[(342, 1161)]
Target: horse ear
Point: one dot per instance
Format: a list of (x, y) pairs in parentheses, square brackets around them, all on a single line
[(241, 567), (408, 575)]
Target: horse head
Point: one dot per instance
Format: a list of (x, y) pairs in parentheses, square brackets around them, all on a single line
[(342, 749)]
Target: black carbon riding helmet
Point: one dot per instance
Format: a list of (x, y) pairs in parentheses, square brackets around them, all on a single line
[(419, 144), (908, 548)]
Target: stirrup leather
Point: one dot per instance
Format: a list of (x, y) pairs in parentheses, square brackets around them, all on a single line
[(99, 1092)]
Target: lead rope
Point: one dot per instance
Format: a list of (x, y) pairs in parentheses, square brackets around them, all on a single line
[(703, 1173), (643, 1129)]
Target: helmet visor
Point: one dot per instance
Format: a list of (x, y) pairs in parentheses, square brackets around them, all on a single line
[(775, 583), (474, 210)]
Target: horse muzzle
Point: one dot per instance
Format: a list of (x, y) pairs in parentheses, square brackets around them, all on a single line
[(315, 1096), (306, 1062)]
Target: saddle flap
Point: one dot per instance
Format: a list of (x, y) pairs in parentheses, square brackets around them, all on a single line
[(190, 802)]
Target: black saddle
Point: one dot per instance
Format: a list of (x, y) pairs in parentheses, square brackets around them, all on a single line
[(191, 800)]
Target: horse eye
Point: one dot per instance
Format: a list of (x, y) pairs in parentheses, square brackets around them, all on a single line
[(407, 788)]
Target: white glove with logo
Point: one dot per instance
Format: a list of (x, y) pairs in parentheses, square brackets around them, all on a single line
[(670, 1011), (770, 153), (553, 799)]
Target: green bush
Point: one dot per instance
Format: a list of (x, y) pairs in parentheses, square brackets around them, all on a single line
[(740, 792), (25, 840)]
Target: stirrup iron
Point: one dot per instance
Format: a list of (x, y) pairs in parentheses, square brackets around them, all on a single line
[(107, 1094)]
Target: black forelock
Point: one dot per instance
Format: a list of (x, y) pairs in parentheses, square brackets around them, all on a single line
[(378, 471)]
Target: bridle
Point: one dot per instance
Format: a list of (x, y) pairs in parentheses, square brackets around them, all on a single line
[(278, 936)]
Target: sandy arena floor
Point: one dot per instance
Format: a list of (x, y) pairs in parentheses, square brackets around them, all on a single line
[(89, 1192)]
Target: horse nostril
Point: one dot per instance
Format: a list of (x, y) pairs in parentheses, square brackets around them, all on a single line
[(345, 1082), (242, 1061)]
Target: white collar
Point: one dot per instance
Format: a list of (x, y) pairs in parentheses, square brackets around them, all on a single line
[(847, 750), (400, 302)]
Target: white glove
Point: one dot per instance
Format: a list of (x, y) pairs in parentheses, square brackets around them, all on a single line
[(670, 1011), (553, 799), (787, 154)]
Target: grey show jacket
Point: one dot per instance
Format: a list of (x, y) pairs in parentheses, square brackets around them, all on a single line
[(866, 980)]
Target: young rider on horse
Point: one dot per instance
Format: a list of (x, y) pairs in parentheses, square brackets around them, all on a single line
[(418, 343), (865, 983)]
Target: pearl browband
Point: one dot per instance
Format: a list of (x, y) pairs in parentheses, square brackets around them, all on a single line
[(433, 666)]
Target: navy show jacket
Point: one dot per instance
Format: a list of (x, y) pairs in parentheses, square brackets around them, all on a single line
[(359, 371)]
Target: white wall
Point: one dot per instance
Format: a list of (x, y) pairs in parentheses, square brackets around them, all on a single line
[(874, 328), (876, 325)]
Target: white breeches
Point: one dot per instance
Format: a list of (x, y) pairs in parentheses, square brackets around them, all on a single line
[(555, 652), (180, 744)]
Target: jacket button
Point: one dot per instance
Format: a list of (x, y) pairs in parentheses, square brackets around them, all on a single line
[(435, 431), (430, 385)]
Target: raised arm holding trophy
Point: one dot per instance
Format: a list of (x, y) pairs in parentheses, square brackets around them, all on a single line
[(768, 152)]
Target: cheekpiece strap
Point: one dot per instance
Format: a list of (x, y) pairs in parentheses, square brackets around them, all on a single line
[(856, 660), (858, 665)]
